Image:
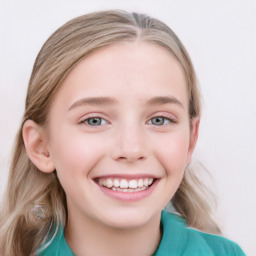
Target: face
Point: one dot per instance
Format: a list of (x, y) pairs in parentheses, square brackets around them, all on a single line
[(119, 134)]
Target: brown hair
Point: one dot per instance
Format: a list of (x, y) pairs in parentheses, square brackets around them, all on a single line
[(20, 232)]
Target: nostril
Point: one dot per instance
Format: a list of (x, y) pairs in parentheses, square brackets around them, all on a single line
[(130, 158), (131, 147)]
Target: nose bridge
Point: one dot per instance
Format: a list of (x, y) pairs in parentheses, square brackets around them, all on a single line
[(130, 141)]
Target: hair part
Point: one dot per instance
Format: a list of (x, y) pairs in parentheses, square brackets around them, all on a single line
[(20, 232)]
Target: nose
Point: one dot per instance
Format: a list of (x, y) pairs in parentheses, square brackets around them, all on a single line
[(130, 144)]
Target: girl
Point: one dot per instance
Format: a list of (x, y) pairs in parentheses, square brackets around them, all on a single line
[(111, 122)]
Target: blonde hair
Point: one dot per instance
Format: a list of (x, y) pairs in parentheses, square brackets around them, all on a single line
[(21, 232)]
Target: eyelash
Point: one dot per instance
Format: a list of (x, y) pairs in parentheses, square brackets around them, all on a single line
[(167, 120), (164, 118), (86, 121)]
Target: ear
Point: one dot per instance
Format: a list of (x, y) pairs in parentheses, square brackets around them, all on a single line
[(194, 127), (36, 145)]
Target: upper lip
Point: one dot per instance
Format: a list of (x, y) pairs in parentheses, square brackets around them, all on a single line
[(127, 176)]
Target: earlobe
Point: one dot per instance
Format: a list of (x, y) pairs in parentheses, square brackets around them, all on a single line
[(193, 137), (36, 145)]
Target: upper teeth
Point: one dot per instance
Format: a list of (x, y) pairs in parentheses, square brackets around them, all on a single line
[(124, 183)]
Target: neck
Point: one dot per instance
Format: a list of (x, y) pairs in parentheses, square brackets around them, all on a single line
[(91, 238)]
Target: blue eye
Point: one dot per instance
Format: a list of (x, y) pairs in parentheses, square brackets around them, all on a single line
[(95, 121), (159, 120)]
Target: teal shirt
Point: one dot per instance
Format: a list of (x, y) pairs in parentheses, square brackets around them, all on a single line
[(177, 240)]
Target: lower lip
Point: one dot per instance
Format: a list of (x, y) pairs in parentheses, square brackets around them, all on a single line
[(129, 196)]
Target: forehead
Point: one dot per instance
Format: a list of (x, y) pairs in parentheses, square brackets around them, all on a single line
[(136, 69)]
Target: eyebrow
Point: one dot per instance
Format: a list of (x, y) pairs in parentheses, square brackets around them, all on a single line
[(93, 101), (164, 100), (155, 101)]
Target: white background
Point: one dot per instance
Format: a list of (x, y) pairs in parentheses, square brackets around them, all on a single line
[(220, 36)]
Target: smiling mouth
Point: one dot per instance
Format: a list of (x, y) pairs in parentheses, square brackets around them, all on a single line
[(125, 185)]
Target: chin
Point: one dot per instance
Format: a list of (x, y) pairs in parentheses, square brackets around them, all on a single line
[(131, 218)]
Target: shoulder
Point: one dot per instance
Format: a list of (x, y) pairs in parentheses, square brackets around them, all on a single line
[(183, 240), (218, 245), (56, 245)]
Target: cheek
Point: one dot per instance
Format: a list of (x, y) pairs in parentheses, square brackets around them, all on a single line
[(172, 152), (75, 153)]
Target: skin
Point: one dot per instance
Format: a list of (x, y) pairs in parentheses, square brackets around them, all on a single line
[(128, 143)]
